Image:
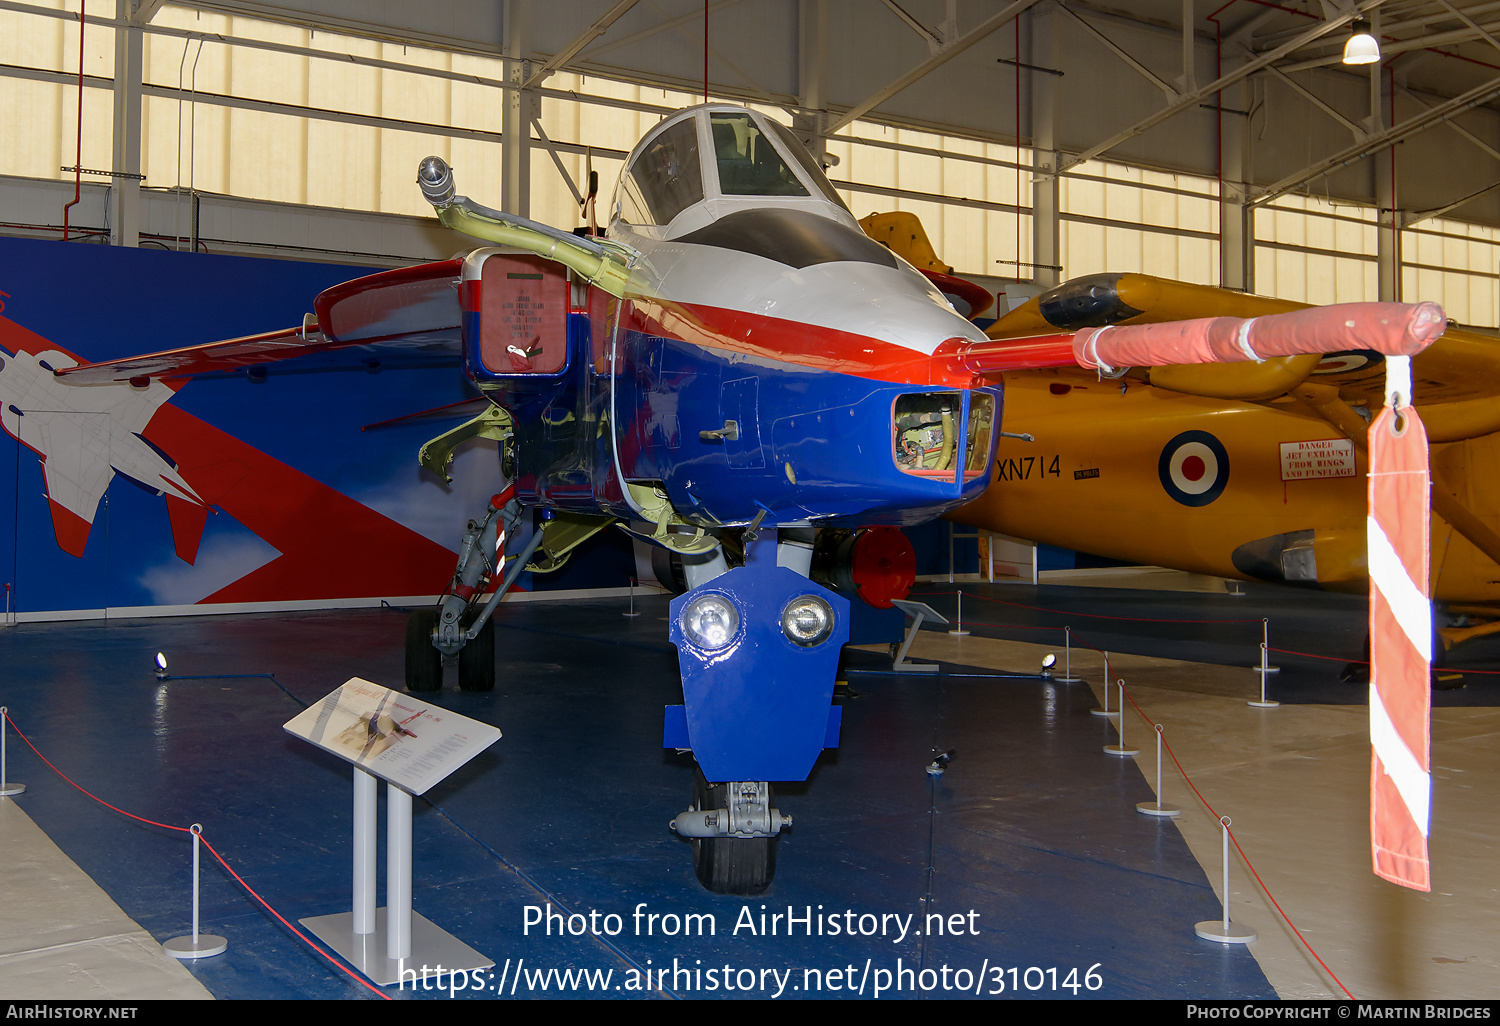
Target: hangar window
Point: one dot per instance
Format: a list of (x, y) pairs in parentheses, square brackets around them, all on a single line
[(250, 108), (1456, 261), (812, 172), (973, 197), (1311, 251), (1119, 218)]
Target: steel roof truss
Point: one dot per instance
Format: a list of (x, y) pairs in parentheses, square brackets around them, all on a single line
[(961, 44)]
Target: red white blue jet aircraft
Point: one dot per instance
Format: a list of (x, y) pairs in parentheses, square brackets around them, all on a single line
[(730, 370)]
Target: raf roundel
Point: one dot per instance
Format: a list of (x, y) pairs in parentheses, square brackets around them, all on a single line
[(1194, 468), (1349, 361)]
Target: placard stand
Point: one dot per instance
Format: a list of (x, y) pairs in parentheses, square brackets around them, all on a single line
[(918, 612), (402, 740), (383, 943)]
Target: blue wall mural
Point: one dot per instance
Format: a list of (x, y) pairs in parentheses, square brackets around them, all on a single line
[(231, 491)]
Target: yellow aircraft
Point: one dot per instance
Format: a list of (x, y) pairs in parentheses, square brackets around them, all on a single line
[(1245, 471)]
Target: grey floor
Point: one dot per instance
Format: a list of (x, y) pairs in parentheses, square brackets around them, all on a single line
[(1294, 781)]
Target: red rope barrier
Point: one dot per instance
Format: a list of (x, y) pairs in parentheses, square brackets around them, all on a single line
[(1189, 781), (1096, 616), (1366, 662), (280, 919), (1012, 626), (1309, 655), (167, 826), (101, 801), (1243, 857)]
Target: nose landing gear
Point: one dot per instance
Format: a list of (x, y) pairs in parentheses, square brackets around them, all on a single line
[(733, 828)]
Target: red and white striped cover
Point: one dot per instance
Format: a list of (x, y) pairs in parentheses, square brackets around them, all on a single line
[(1401, 641)]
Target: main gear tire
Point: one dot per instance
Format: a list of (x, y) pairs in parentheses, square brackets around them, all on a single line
[(476, 661), (424, 664)]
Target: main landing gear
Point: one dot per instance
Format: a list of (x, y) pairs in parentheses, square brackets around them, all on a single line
[(424, 663), (459, 626)]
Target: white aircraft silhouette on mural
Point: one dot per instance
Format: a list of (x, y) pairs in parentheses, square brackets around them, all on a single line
[(84, 436)]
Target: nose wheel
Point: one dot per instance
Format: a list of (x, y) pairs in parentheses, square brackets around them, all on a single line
[(731, 865)]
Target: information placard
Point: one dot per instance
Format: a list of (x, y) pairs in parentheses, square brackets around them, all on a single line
[(396, 736)]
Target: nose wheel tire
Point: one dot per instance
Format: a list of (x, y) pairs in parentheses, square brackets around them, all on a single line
[(730, 865), (424, 664)]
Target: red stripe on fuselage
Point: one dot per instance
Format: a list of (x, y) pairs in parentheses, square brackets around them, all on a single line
[(811, 346)]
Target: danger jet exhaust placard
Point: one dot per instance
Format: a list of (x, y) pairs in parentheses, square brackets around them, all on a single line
[(1323, 457)]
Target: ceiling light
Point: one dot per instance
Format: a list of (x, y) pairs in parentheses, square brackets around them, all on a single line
[(1362, 47)]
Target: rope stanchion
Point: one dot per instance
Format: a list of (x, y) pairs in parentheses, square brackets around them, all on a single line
[(1263, 667), (1105, 711), (197, 945), (1224, 931), (1156, 808), (1120, 748), (959, 630), (633, 611), (1264, 703), (7, 788), (1225, 823), (1067, 677)]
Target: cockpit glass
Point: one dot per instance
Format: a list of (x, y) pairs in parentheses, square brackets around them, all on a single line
[(748, 164), (666, 174), (793, 145)]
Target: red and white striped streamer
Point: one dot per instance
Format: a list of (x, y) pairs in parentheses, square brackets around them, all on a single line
[(1400, 637)]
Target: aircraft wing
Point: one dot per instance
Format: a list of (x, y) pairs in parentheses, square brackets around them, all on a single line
[(405, 312), (76, 477)]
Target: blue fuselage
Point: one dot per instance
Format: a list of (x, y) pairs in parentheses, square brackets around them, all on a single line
[(810, 443)]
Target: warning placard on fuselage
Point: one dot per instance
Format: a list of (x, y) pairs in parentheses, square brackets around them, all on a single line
[(1321, 457)]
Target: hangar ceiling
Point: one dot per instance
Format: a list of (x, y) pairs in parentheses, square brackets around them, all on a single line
[(1139, 82)]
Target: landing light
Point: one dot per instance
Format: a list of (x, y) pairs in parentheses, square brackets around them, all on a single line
[(711, 622), (807, 621)]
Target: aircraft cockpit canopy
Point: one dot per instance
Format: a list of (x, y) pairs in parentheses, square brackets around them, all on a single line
[(710, 160)]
